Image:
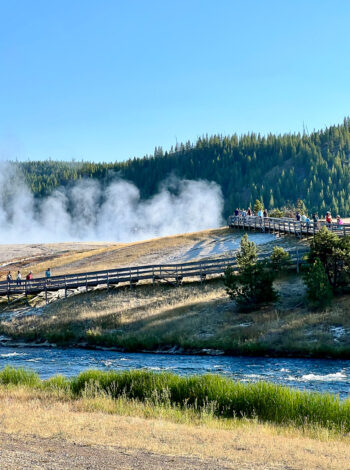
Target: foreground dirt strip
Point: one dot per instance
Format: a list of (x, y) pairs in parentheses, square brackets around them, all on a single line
[(54, 454)]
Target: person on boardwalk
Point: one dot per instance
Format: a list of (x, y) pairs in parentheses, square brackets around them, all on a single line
[(315, 219), (9, 276), (249, 211), (265, 213), (339, 222), (48, 275), (19, 278), (260, 213), (328, 218), (297, 216), (29, 276)]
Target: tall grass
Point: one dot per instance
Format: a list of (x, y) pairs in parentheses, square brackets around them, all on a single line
[(224, 397)]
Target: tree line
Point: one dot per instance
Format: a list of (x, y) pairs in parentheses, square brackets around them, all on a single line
[(276, 169)]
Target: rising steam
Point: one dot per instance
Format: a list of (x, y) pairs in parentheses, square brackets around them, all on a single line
[(88, 211)]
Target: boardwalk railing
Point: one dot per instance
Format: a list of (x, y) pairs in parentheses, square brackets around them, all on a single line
[(285, 225), (173, 273)]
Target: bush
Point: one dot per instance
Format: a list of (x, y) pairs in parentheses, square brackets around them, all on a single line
[(259, 205), (253, 284), (277, 213), (10, 375), (279, 259), (334, 254), (319, 290)]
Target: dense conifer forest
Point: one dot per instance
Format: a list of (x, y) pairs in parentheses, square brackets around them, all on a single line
[(278, 169)]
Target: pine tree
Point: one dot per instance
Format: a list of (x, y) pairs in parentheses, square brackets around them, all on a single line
[(258, 206), (319, 290)]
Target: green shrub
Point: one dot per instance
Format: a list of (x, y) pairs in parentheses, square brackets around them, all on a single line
[(259, 205), (253, 284), (279, 259), (319, 290), (277, 213), (334, 254), (10, 375), (57, 383)]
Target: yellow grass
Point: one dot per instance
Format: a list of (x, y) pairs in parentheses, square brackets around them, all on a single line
[(244, 444), (193, 316), (107, 255)]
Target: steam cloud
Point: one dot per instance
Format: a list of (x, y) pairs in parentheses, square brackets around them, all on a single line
[(98, 213)]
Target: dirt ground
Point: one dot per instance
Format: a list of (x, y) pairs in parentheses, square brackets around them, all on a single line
[(31, 453)]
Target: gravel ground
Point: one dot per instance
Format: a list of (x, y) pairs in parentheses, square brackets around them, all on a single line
[(35, 453)]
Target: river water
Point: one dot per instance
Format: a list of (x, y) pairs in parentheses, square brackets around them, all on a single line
[(321, 375)]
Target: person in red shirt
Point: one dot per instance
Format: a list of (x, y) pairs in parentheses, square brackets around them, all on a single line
[(29, 276), (328, 218)]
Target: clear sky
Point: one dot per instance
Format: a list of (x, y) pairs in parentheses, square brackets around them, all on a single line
[(106, 80)]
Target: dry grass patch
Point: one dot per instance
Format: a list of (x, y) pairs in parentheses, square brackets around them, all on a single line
[(239, 444), (79, 257), (192, 317)]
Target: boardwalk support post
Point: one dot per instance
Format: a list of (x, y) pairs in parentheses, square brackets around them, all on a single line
[(298, 261)]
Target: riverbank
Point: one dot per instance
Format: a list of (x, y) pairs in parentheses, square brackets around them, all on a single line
[(192, 319), (169, 422), (53, 433)]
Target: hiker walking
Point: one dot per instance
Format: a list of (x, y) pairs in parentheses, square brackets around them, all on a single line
[(9, 276), (315, 219), (328, 218), (19, 278), (48, 275)]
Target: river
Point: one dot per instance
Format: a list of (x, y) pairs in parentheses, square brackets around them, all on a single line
[(321, 375)]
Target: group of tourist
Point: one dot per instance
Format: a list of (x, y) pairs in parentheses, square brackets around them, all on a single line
[(328, 219), (300, 217), (29, 277), (249, 212)]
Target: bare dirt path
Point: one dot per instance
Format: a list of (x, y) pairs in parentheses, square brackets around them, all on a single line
[(32, 453)]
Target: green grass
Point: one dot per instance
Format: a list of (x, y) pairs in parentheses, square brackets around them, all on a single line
[(224, 397)]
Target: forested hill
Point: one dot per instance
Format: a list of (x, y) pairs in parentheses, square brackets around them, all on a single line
[(277, 168)]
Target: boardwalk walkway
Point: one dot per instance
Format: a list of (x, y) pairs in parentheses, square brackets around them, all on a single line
[(170, 273), (285, 226)]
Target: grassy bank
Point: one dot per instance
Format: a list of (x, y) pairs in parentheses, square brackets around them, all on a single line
[(191, 318), (68, 430), (210, 395)]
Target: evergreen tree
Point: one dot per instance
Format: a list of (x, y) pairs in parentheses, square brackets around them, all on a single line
[(253, 284), (258, 206), (319, 290), (279, 259), (334, 254)]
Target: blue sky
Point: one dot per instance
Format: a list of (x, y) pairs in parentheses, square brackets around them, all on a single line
[(108, 80)]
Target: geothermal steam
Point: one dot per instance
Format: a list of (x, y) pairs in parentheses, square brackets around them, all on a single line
[(90, 211)]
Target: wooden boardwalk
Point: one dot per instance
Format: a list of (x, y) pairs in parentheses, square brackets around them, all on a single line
[(285, 226), (170, 273)]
